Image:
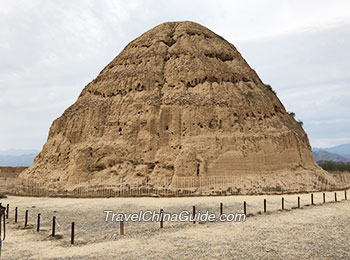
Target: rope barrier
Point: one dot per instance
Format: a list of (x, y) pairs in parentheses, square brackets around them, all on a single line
[(62, 227), (291, 201)]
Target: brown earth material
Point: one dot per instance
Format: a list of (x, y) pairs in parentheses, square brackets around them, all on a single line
[(11, 172), (177, 101)]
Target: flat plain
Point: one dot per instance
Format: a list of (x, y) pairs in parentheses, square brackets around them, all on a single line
[(312, 232)]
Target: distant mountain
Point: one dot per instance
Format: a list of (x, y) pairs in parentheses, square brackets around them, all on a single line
[(16, 152), (17, 157), (321, 156), (342, 150)]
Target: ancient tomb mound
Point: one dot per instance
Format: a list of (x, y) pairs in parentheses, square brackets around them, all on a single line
[(178, 102)]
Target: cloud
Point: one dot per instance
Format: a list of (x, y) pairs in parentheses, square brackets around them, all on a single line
[(309, 71), (49, 50)]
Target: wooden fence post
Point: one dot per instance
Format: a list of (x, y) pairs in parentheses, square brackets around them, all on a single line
[(264, 205), (161, 218), (26, 219), (324, 197), (298, 202), (221, 208), (53, 226), (335, 197), (38, 224), (16, 213), (345, 195), (245, 208), (194, 214), (282, 203), (312, 199), (121, 227), (72, 234)]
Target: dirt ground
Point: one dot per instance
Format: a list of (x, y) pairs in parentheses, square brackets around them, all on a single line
[(313, 232)]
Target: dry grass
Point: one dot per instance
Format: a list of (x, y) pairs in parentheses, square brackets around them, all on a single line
[(314, 232)]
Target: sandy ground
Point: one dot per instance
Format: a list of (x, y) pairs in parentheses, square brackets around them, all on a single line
[(313, 232)]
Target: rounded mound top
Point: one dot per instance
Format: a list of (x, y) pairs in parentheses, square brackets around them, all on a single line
[(173, 54)]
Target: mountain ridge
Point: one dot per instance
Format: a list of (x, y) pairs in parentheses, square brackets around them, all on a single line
[(336, 153)]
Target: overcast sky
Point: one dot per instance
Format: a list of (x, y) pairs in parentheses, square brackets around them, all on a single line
[(49, 50)]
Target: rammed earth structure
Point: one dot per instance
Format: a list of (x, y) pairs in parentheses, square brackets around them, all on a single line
[(179, 100)]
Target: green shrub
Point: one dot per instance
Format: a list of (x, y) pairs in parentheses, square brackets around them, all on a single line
[(335, 166), (292, 114), (270, 88)]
